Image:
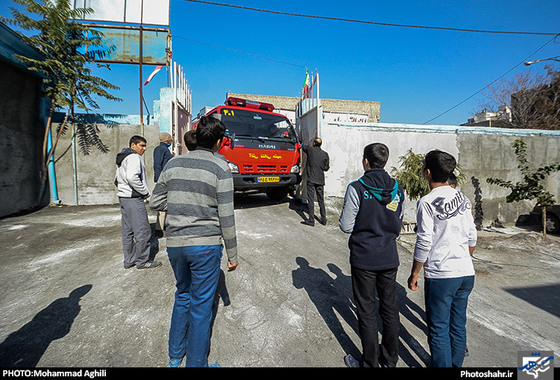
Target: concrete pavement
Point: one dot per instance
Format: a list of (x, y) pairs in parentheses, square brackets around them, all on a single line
[(67, 301)]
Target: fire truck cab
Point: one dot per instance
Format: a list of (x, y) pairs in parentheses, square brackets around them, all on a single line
[(260, 146)]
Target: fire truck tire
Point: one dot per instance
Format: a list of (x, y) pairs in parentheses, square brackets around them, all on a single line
[(277, 193)]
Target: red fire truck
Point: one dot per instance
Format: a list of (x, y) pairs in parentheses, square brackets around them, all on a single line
[(260, 146)]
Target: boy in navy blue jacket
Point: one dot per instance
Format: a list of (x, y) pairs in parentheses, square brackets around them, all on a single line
[(372, 214)]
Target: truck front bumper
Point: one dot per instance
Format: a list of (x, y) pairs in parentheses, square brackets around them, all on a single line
[(261, 181)]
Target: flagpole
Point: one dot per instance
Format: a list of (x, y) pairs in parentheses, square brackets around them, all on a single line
[(319, 107)]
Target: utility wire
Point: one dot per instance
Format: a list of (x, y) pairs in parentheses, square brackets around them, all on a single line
[(555, 35), (240, 52), (494, 81), (371, 22)]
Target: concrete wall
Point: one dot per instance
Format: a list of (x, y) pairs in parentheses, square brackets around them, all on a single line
[(371, 110), (482, 152), (21, 127), (96, 172), (21, 140), (492, 156)]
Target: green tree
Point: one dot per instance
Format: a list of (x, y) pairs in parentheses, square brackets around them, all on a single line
[(69, 49), (532, 187), (410, 175)]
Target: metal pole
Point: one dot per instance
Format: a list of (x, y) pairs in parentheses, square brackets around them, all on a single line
[(319, 108), (140, 66)]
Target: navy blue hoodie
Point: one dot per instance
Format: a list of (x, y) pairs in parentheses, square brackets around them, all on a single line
[(372, 213)]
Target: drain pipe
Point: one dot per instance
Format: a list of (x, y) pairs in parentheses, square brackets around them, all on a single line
[(52, 174), (74, 169)]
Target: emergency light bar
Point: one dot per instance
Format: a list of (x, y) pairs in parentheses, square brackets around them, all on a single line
[(249, 104)]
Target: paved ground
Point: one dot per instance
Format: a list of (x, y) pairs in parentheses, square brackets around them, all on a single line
[(67, 301)]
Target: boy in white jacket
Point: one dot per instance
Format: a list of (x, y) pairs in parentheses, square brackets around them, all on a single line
[(444, 246), (130, 180)]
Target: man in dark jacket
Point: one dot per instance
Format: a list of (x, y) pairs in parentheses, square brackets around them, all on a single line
[(315, 167), (161, 156), (372, 213)]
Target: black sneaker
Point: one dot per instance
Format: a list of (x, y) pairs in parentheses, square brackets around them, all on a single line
[(149, 265), (351, 362), (308, 223)]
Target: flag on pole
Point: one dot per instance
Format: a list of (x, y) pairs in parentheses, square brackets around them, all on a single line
[(306, 85), (156, 70)]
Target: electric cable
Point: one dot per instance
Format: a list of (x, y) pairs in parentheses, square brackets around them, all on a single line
[(555, 35), (494, 81), (370, 22)]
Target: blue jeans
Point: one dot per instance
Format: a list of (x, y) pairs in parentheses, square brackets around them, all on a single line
[(446, 311), (197, 270)]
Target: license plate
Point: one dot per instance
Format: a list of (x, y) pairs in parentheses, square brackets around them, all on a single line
[(269, 179)]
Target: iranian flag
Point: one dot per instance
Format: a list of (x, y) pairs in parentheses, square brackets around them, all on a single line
[(306, 85), (156, 70)]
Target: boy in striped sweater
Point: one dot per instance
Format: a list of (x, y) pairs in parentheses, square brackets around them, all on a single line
[(196, 190)]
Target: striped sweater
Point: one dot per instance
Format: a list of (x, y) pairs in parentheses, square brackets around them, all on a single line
[(196, 190)]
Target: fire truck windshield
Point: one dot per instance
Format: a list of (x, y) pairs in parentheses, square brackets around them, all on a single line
[(245, 123)]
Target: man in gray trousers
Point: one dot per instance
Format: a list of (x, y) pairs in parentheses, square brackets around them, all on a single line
[(130, 179)]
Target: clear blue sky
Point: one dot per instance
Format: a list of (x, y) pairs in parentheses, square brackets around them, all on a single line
[(416, 74)]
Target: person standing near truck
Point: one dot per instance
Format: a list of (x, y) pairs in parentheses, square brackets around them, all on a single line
[(130, 179), (316, 165), (196, 189), (162, 155), (372, 214), (445, 242)]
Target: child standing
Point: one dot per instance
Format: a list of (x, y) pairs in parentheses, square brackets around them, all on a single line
[(372, 214), (444, 245)]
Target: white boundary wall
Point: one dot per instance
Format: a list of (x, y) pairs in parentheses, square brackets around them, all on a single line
[(482, 152)]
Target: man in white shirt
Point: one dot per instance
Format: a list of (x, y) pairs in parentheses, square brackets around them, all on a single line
[(444, 246)]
